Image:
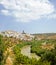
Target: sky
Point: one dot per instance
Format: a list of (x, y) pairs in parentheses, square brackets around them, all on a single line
[(32, 16)]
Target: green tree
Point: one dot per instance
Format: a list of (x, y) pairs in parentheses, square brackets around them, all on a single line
[(2, 48)]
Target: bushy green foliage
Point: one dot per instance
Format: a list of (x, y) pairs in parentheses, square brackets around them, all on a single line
[(36, 47), (2, 49), (48, 57)]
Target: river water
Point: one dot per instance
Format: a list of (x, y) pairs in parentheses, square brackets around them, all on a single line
[(26, 50)]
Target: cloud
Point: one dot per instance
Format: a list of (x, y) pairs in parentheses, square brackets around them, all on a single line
[(5, 12), (52, 16), (27, 10)]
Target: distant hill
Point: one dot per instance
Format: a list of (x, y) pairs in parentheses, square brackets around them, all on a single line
[(45, 36)]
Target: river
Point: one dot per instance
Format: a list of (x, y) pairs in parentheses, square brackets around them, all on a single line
[(26, 50)]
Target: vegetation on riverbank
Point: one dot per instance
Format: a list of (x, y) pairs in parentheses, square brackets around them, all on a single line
[(46, 49)]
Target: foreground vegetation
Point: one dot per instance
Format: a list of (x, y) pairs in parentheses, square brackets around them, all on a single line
[(46, 49)]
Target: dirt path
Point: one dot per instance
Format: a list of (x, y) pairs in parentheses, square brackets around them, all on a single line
[(10, 58), (9, 61)]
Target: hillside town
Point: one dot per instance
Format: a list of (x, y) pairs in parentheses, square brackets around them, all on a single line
[(21, 36)]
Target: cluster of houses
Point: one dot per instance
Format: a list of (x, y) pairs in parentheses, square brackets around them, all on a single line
[(22, 36)]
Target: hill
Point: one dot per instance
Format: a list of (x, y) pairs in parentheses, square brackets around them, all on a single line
[(45, 36)]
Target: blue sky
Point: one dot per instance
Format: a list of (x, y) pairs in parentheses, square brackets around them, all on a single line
[(32, 16)]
